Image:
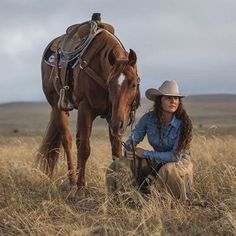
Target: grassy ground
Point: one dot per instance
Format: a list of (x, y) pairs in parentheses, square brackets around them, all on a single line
[(32, 204)]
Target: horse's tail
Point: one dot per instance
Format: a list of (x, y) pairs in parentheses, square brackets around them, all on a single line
[(49, 150)]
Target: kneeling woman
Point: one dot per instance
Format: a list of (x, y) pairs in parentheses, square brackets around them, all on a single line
[(169, 132)]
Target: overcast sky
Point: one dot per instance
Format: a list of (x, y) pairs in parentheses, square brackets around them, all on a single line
[(191, 41)]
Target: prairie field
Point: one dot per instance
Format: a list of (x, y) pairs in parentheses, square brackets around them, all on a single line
[(33, 204)]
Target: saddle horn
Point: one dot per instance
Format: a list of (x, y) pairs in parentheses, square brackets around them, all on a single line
[(96, 17)]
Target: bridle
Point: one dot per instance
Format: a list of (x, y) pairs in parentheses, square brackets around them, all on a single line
[(134, 106)]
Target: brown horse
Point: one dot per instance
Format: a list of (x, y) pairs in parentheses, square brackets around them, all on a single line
[(104, 82)]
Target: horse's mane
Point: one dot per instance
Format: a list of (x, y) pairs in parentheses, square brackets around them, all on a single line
[(113, 43)]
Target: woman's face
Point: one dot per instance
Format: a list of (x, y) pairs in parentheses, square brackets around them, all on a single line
[(169, 103)]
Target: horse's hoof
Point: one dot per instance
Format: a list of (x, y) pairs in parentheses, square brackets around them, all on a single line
[(72, 194), (80, 193), (76, 194)]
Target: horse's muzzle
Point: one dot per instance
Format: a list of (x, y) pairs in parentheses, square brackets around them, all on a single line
[(118, 128)]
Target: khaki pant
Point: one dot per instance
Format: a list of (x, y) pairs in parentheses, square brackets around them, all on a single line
[(176, 177)]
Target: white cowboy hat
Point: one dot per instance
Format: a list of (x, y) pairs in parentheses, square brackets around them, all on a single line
[(168, 88)]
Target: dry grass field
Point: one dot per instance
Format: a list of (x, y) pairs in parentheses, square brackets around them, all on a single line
[(32, 204)]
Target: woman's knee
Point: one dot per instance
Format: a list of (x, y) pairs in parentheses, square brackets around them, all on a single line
[(168, 169)]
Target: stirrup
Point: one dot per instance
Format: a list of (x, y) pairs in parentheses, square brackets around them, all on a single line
[(63, 103)]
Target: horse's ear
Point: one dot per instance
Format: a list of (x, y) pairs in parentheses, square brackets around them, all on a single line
[(111, 58), (132, 57)]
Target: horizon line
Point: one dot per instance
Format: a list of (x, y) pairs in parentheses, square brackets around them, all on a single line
[(143, 97)]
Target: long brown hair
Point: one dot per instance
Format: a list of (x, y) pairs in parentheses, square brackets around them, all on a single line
[(186, 126)]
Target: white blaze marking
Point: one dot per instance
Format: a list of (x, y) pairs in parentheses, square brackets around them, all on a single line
[(121, 79)]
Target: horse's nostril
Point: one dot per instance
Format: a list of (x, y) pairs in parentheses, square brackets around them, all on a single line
[(121, 125)]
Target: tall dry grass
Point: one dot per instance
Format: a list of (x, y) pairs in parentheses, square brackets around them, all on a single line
[(32, 204)]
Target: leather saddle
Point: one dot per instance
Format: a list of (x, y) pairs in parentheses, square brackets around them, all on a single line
[(74, 37)]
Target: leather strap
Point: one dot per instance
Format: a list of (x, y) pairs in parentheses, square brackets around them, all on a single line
[(85, 61), (96, 77)]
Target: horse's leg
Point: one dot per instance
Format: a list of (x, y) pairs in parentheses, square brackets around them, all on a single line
[(67, 145), (84, 126), (116, 147)]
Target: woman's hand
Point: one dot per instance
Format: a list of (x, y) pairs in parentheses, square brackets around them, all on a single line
[(129, 155), (138, 153)]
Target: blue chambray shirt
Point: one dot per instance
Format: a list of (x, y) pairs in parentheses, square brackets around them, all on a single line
[(164, 148)]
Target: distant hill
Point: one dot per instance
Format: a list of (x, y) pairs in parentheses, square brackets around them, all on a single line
[(197, 103), (205, 111), (205, 98), (212, 98)]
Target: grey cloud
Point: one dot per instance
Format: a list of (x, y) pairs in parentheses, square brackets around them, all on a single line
[(190, 41)]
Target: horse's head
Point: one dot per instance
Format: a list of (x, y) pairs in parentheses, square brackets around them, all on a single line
[(124, 94)]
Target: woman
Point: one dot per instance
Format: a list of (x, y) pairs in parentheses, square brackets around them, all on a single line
[(169, 132)]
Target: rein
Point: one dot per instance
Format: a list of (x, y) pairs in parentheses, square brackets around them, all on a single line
[(133, 164)]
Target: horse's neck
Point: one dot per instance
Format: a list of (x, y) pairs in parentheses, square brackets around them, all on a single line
[(108, 44)]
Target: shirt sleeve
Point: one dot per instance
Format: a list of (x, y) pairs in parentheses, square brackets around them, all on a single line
[(163, 157), (139, 131)]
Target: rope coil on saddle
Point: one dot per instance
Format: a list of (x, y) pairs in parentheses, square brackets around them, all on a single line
[(68, 56)]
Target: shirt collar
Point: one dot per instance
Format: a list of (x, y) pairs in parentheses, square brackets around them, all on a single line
[(174, 122)]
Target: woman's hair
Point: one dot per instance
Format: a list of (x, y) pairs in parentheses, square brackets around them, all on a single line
[(186, 127)]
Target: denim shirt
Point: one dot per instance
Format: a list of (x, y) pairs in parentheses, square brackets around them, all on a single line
[(164, 144)]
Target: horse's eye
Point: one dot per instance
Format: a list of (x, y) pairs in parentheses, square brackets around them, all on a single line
[(132, 84)]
